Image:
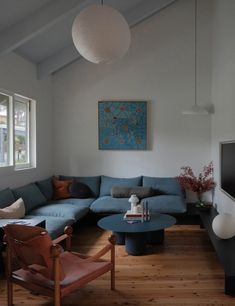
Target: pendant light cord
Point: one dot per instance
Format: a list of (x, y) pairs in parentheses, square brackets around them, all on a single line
[(102, 2), (196, 109), (195, 52)]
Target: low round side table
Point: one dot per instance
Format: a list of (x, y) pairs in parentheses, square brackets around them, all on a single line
[(137, 235)]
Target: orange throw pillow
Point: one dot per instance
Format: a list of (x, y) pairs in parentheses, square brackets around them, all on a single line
[(61, 189)]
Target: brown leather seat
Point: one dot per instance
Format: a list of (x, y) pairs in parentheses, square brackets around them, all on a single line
[(45, 268)]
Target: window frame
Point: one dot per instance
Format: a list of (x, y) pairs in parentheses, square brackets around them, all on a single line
[(10, 158), (31, 132)]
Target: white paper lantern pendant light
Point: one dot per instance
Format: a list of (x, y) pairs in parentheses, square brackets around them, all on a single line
[(101, 34)]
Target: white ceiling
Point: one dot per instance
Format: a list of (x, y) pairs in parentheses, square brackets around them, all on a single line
[(40, 30)]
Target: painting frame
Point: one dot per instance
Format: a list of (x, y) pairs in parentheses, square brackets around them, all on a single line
[(122, 124)]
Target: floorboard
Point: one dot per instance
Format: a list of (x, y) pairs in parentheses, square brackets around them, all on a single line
[(183, 271)]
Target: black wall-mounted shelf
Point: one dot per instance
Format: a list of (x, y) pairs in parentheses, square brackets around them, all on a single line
[(225, 249)]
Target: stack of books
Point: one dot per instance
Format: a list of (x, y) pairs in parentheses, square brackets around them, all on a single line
[(136, 217)]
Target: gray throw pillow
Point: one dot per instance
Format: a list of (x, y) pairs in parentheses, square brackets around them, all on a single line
[(126, 192)]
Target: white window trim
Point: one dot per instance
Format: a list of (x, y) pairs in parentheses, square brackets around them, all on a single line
[(11, 131), (10, 127), (31, 127), (12, 166)]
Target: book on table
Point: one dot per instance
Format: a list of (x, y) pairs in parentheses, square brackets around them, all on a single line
[(130, 216), (23, 222)]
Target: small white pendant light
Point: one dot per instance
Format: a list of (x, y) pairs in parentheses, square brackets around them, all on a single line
[(195, 109), (101, 34)]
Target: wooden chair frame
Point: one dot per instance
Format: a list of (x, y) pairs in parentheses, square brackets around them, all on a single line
[(55, 251)]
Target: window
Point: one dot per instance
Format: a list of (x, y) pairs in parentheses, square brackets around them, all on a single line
[(17, 131), (5, 130), (21, 131)]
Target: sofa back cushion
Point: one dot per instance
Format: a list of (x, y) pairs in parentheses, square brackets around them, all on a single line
[(108, 182), (6, 197), (163, 185), (46, 188), (93, 182), (31, 195)]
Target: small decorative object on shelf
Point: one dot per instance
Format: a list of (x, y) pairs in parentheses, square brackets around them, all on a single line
[(224, 226), (199, 184)]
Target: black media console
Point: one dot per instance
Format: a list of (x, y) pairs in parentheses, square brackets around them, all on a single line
[(225, 249)]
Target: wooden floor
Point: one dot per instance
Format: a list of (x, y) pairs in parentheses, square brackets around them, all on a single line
[(184, 271)]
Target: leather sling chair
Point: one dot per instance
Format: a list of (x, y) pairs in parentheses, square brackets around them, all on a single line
[(44, 268)]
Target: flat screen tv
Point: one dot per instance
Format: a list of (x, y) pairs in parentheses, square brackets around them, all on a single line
[(227, 168)]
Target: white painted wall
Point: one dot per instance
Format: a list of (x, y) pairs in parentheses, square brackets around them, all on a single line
[(158, 68), (19, 76), (223, 87)]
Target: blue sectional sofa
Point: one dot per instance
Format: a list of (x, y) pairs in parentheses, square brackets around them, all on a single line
[(38, 199)]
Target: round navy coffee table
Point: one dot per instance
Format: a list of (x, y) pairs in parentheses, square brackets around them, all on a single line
[(136, 236)]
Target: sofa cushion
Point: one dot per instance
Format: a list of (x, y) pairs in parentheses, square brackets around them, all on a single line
[(60, 210), (108, 182), (54, 225), (164, 185), (93, 182), (166, 204), (6, 197), (108, 204), (73, 201), (80, 190), (13, 211), (31, 195), (61, 189), (126, 192), (46, 187)]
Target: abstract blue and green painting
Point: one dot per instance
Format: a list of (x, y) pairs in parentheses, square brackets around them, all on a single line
[(122, 125)]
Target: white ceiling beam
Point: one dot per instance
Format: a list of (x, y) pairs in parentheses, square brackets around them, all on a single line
[(144, 10), (139, 13), (57, 61), (18, 34)]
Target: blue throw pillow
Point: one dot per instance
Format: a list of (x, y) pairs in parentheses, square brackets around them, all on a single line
[(31, 195), (6, 198), (80, 190), (108, 182)]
